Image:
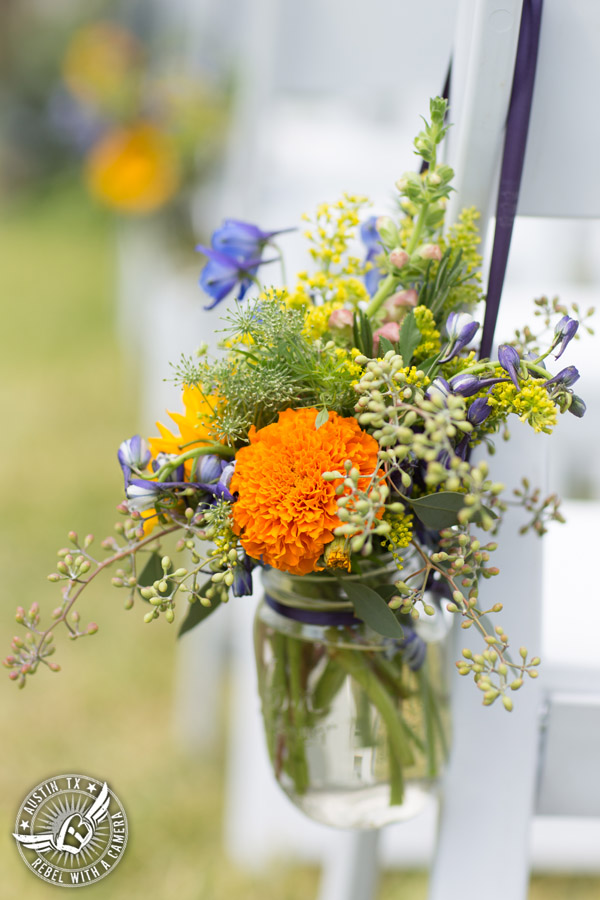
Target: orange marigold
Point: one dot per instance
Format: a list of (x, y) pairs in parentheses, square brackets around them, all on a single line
[(286, 512)]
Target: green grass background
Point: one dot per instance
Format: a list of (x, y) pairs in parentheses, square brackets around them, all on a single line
[(67, 402)]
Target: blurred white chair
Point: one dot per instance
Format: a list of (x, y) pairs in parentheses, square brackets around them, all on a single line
[(297, 140), (496, 755), (505, 771)]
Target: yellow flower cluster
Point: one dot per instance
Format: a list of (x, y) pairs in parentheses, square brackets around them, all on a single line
[(332, 229), (531, 403), (346, 360), (339, 288), (458, 364), (412, 375), (430, 345), (400, 535), (334, 290), (464, 235), (316, 323)]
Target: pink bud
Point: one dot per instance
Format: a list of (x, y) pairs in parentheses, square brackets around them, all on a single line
[(398, 303), (341, 318), (430, 251), (391, 331), (13, 675), (383, 222), (399, 258)]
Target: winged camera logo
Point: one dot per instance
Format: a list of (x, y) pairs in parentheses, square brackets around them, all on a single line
[(71, 830)]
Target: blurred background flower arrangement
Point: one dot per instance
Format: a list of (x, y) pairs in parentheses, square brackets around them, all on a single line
[(330, 442), (140, 134)]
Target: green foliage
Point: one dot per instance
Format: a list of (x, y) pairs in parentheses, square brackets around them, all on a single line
[(410, 338), (441, 281), (372, 609), (270, 366), (363, 333), (197, 611)]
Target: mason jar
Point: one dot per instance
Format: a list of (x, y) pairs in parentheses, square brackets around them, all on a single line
[(357, 725)]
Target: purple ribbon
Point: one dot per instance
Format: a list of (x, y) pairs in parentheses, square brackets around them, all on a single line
[(513, 156), (313, 616)]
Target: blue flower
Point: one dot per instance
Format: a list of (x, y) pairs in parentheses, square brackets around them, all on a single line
[(242, 577), (207, 470), (510, 361), (242, 240), (222, 273), (564, 378), (479, 410), (221, 489), (413, 648), (461, 329), (372, 241), (466, 385), (564, 332), (370, 236), (176, 476), (439, 387), (142, 495), (133, 454), (577, 407)]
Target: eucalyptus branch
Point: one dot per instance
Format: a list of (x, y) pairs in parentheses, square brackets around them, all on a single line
[(463, 557), (32, 651)]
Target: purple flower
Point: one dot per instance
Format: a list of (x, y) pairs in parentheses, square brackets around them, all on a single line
[(510, 361), (176, 476), (461, 329), (242, 577), (133, 454), (222, 273), (370, 236), (414, 649), (564, 332), (207, 470), (372, 241), (466, 385), (564, 378), (221, 489), (479, 410), (242, 240), (142, 495), (439, 387), (577, 407)]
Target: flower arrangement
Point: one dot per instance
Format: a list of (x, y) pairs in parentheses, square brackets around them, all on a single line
[(142, 136), (332, 437)]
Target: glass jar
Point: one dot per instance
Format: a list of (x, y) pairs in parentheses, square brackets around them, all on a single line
[(357, 725)]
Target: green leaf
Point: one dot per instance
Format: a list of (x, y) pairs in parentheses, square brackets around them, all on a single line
[(152, 571), (427, 365), (387, 591), (373, 610), (384, 346), (410, 338), (363, 334), (440, 510), (321, 418), (197, 613)]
